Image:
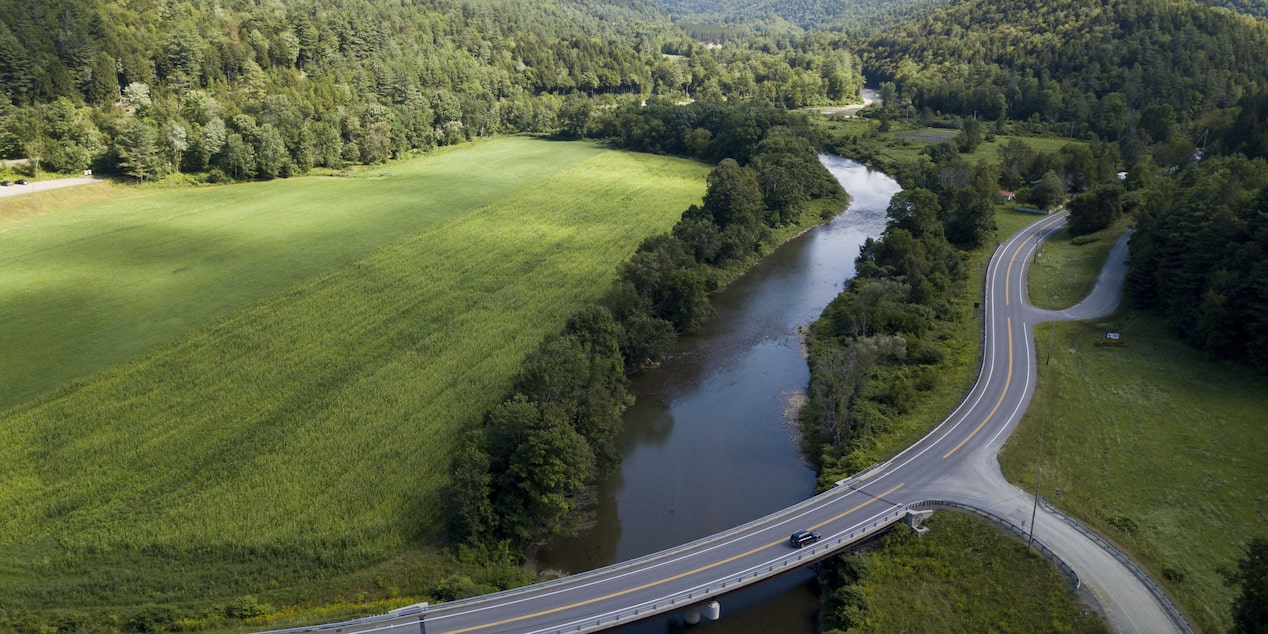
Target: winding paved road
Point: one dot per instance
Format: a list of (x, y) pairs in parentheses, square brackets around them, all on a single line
[(956, 462)]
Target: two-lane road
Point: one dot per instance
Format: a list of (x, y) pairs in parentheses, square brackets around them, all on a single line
[(956, 461)]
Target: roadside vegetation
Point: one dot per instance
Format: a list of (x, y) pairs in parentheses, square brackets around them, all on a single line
[(234, 460), (964, 575)]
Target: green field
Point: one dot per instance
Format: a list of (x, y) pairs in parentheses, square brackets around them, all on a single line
[(92, 286), (1155, 446), (964, 575), (320, 342)]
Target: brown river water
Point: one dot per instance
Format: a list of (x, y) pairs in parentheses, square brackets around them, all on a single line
[(711, 442)]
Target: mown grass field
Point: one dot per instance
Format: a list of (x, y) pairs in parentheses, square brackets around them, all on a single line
[(965, 575), (1064, 272), (1155, 446), (94, 275), (305, 431)]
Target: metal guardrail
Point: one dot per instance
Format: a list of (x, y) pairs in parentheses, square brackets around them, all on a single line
[(1016, 530), (631, 563), (1172, 611), (711, 590), (730, 583)]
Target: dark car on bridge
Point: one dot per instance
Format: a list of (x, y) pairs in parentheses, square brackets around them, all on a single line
[(803, 538)]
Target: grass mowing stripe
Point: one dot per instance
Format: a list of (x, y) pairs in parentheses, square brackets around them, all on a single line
[(309, 434)]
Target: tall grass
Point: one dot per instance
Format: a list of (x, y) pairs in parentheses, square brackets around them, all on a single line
[(965, 575), (309, 434)]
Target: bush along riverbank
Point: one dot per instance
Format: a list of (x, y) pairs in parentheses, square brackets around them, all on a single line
[(522, 476)]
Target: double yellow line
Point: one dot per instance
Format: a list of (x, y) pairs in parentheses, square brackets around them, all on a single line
[(1008, 378), (658, 582)]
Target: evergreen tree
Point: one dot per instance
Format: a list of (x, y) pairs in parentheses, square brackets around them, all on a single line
[(138, 148)]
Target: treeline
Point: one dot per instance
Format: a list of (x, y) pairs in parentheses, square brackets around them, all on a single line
[(260, 90), (790, 15), (1136, 72), (1199, 257), (884, 339), (523, 475)]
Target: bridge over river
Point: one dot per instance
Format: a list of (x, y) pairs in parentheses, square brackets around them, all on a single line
[(953, 466)]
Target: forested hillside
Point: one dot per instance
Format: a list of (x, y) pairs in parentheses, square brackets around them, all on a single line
[(1249, 7), (1124, 70), (254, 89), (806, 14)]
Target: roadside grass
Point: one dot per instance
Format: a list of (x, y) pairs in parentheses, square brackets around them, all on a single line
[(44, 201), (95, 275), (1065, 269), (1144, 440), (952, 579), (1157, 448), (306, 431)]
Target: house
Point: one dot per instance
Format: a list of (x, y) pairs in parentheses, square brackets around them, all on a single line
[(1007, 195)]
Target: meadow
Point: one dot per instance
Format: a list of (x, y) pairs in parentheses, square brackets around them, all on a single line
[(302, 428), (95, 275), (1157, 447), (964, 575), (906, 140)]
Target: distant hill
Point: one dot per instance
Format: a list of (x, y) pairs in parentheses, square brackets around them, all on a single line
[(1099, 66), (1256, 8), (803, 14)]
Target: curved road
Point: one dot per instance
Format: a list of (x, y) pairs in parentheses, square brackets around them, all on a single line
[(44, 185), (956, 462)]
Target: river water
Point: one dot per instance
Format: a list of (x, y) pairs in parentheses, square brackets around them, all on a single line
[(711, 442)]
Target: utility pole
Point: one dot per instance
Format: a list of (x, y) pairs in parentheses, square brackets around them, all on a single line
[(1043, 417)]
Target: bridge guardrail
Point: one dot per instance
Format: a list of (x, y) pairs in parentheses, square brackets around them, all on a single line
[(545, 585), (1172, 611), (730, 583)]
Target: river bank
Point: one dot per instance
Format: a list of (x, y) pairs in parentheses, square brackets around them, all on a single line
[(708, 443)]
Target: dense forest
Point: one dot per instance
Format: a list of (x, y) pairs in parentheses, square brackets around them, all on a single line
[(766, 16), (1139, 73), (1200, 257), (259, 90)]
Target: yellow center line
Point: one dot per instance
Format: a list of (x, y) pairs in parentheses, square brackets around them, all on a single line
[(666, 579), (1008, 378)]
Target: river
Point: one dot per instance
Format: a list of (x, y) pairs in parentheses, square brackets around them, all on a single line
[(711, 442)]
